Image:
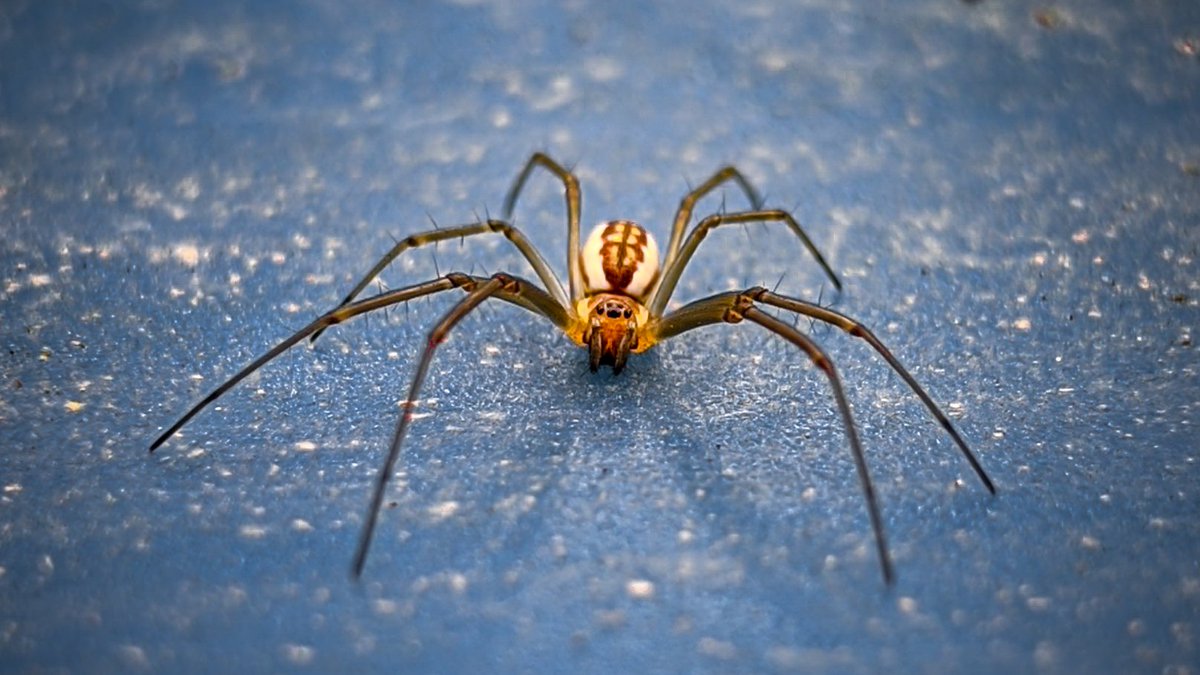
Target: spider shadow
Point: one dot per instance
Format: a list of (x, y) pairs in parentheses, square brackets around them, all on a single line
[(594, 451), (518, 458), (743, 493)]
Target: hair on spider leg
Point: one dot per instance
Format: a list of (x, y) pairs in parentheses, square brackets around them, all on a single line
[(433, 254), (690, 187), (379, 284), (812, 320), (722, 210), (387, 315), (758, 201), (779, 310), (778, 282), (487, 218)]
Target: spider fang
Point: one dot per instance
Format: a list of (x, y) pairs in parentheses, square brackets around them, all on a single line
[(612, 330)]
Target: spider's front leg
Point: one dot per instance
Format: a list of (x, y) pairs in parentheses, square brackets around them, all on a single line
[(338, 315), (860, 331), (530, 297), (502, 286), (734, 307)]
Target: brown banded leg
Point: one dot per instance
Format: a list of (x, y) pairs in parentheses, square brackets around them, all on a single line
[(699, 313), (858, 330), (684, 214), (531, 298), (572, 197), (733, 308), (540, 267), (500, 285), (671, 273)]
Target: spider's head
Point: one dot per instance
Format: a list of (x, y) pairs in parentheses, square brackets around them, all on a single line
[(612, 330)]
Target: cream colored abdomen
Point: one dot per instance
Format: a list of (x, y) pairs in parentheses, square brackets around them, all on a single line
[(619, 256)]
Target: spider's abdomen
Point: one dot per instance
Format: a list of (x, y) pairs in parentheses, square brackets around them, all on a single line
[(619, 256)]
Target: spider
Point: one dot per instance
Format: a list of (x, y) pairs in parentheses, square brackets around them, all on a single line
[(616, 306)]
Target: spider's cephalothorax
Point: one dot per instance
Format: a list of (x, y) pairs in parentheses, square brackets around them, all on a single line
[(615, 305), (620, 267)]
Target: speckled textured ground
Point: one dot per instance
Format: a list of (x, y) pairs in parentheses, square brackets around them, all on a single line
[(1008, 189)]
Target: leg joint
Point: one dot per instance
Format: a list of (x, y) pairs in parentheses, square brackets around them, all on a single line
[(741, 303), (508, 283), (756, 293), (461, 280)]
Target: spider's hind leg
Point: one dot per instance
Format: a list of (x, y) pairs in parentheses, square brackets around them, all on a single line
[(684, 214), (571, 194), (672, 271)]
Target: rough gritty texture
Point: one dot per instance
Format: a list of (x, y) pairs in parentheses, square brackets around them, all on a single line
[(1009, 190)]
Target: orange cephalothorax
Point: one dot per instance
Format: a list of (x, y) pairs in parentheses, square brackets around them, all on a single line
[(612, 329), (619, 257)]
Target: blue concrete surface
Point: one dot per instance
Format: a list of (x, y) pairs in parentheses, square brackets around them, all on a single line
[(1010, 191)]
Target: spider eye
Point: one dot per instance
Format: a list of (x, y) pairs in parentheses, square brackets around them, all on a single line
[(628, 312), (599, 310)]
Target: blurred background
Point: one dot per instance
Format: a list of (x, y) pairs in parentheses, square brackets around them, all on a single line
[(1009, 190)]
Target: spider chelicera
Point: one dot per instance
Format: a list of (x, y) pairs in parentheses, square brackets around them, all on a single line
[(616, 307)]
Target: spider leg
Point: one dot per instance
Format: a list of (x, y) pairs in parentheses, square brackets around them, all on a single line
[(684, 214), (733, 307), (551, 282), (672, 272), (858, 330), (531, 298), (572, 197), (500, 285)]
